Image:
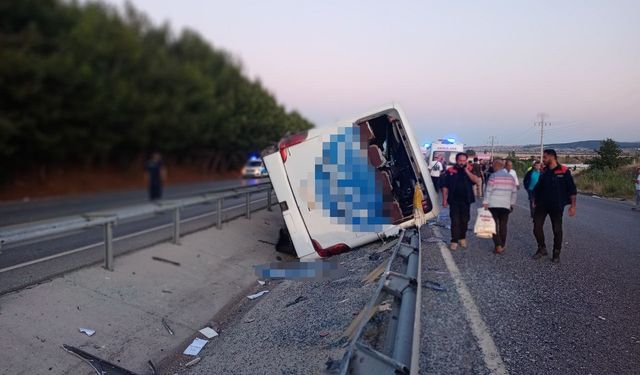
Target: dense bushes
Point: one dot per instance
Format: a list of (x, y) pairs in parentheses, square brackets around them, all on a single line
[(83, 84)]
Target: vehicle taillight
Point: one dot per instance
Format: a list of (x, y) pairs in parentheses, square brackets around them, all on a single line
[(289, 141), (331, 250)]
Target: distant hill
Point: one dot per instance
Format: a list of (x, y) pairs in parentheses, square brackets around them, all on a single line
[(587, 145)]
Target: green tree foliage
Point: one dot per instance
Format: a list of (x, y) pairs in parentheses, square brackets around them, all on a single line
[(82, 83), (610, 155)]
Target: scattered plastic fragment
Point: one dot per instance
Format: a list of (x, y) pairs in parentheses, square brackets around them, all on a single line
[(159, 259), (195, 347), (99, 365), (166, 326), (208, 332), (259, 294), (344, 300), (297, 300), (193, 362), (601, 317), (261, 282), (434, 286), (88, 331)]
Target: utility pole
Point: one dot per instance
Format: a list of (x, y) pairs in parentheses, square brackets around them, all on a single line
[(542, 124), (493, 138)]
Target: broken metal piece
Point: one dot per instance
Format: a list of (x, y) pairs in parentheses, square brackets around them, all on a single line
[(101, 366), (159, 259), (166, 326)]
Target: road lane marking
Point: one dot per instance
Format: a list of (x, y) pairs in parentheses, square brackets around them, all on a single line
[(490, 353)]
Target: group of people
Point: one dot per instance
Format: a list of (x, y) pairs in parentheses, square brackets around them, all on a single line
[(549, 187)]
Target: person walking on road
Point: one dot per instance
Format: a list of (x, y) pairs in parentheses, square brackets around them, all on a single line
[(156, 175), (637, 181), (500, 197), (435, 170), (457, 193), (509, 167), (476, 169), (530, 181), (554, 191)]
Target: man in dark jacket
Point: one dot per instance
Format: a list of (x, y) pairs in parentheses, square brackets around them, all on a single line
[(555, 189), (457, 192)]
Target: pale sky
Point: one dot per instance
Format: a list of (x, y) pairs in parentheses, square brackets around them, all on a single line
[(468, 69)]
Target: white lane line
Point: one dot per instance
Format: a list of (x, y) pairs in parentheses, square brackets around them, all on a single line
[(491, 355)]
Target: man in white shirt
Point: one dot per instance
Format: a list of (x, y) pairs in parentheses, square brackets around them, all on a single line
[(435, 170), (509, 167)]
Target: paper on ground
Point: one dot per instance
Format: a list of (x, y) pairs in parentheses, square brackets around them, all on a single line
[(88, 331), (208, 332), (195, 347), (259, 294), (261, 282)]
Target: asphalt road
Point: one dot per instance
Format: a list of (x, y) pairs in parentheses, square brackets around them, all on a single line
[(577, 317), (46, 208), (529, 317)]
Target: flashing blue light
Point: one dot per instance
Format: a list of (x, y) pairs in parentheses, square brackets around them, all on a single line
[(427, 145), (451, 140), (254, 158)]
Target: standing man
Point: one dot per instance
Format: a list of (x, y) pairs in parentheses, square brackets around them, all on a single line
[(156, 176), (509, 166), (555, 189), (637, 181), (476, 169), (457, 192), (530, 181), (499, 198), (435, 170)]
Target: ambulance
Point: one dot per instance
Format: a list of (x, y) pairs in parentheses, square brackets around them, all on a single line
[(343, 186), (447, 148)]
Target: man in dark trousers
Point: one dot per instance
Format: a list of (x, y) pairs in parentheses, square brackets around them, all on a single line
[(554, 190), (156, 175), (457, 192)]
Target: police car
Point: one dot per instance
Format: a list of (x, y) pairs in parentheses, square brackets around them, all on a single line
[(347, 185), (254, 168)]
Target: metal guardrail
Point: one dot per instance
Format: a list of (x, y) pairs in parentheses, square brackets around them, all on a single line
[(109, 218), (400, 352)]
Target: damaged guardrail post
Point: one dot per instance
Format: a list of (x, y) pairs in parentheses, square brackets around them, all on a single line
[(219, 213), (108, 245), (269, 192), (404, 334), (247, 199), (176, 226)]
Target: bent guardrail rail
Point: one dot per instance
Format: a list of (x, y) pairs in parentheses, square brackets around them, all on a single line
[(400, 351), (108, 218)]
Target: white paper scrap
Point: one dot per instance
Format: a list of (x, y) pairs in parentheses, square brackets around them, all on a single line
[(195, 347), (261, 282), (259, 294), (208, 332), (88, 331)]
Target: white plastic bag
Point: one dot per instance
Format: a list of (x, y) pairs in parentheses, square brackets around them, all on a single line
[(485, 225)]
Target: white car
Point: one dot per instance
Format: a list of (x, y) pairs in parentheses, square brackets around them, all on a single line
[(348, 185), (254, 169)]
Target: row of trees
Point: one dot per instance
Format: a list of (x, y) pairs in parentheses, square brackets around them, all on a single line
[(83, 83)]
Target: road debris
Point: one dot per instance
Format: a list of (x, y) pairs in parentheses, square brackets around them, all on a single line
[(101, 366), (297, 300), (193, 362), (166, 326), (324, 333), (384, 306), (159, 259), (433, 285), (153, 368), (344, 300), (195, 347), (261, 282), (601, 317), (250, 320), (208, 332), (166, 291), (373, 275), (88, 331), (259, 294)]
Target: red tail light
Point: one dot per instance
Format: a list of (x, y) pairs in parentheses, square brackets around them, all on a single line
[(289, 141), (331, 250)]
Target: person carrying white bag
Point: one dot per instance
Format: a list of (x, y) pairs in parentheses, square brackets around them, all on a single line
[(485, 225), (499, 199)]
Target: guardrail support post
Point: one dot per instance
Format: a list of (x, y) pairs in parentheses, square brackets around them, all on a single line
[(247, 199), (108, 245), (176, 226), (269, 199), (219, 212)]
